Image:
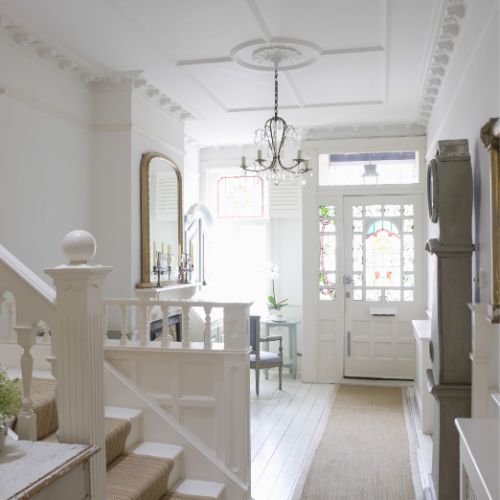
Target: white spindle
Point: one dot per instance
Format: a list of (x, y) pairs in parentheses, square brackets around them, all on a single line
[(26, 421), (208, 326), (186, 333), (166, 336), (124, 324), (10, 318), (144, 326), (46, 333)]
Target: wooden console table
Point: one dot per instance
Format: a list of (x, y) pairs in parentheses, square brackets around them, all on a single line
[(45, 471)]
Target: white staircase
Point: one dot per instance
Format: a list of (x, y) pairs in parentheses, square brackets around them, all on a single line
[(75, 325), (178, 484)]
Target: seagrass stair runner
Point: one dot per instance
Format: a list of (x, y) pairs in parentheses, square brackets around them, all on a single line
[(129, 476)]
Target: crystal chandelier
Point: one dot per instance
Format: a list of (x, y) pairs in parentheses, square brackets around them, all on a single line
[(275, 138)]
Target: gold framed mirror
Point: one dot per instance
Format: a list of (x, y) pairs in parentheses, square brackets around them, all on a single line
[(161, 220)]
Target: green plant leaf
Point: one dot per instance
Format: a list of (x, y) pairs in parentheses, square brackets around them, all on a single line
[(10, 396), (272, 301)]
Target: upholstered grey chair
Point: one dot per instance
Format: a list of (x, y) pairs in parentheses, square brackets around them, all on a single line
[(263, 360)]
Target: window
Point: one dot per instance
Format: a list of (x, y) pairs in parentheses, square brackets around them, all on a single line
[(383, 252), (240, 196), (238, 246), (354, 169), (327, 253)]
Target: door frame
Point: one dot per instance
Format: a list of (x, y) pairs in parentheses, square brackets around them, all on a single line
[(316, 343), (418, 302)]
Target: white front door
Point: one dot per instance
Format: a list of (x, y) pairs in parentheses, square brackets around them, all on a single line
[(382, 284)]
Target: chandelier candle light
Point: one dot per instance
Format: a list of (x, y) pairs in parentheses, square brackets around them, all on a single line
[(276, 135)]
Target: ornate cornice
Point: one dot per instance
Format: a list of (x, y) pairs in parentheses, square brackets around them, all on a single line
[(83, 73), (42, 49), (328, 132), (452, 17), (363, 130), (135, 81)]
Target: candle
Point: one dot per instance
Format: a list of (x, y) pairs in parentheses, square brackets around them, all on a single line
[(191, 250), (299, 154), (154, 252), (162, 247), (169, 249), (179, 257), (242, 161), (259, 155)]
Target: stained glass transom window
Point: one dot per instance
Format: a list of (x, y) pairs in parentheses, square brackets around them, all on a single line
[(383, 255), (240, 196), (327, 253)]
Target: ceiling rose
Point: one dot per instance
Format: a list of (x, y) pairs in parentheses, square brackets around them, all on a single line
[(287, 53)]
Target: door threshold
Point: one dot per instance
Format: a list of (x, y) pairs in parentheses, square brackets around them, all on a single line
[(388, 382)]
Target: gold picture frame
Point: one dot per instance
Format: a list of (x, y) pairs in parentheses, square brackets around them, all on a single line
[(490, 136), (147, 158)]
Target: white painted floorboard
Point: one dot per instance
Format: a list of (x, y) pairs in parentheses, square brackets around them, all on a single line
[(286, 426)]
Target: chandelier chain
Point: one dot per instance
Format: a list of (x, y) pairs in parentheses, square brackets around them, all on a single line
[(275, 134), (276, 91)]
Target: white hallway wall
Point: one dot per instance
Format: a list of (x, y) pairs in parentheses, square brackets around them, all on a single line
[(45, 153), (70, 158), (468, 98)]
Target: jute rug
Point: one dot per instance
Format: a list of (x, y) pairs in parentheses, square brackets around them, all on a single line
[(364, 451)]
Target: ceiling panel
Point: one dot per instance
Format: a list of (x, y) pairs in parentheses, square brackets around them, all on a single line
[(342, 78), (346, 85), (194, 29), (236, 87), (330, 24)]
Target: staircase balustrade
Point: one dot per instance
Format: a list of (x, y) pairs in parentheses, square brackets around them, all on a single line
[(26, 421), (235, 323), (74, 320)]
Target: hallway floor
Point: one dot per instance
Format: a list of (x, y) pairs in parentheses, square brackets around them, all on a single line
[(286, 426)]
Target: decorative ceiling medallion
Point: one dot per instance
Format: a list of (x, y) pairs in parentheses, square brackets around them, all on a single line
[(287, 53)]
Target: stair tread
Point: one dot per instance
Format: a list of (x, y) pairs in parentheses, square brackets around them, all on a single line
[(44, 405), (122, 412), (137, 477), (160, 450), (116, 431), (197, 489), (17, 373)]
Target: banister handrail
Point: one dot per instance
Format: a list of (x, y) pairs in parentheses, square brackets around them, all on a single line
[(175, 303), (234, 316), (27, 275)]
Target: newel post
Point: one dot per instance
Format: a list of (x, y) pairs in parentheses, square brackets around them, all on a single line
[(79, 351), (236, 449)]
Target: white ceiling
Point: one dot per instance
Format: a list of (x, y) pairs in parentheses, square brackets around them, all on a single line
[(374, 54)]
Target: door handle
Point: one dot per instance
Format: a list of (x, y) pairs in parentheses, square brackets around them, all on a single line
[(348, 344)]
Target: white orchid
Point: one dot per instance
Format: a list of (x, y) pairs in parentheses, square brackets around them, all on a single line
[(273, 271), (272, 303)]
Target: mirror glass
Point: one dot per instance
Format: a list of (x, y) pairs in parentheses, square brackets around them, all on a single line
[(161, 205)]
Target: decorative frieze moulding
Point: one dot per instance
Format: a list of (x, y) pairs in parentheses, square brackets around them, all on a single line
[(452, 16), (135, 81), (57, 57), (366, 130), (84, 73)]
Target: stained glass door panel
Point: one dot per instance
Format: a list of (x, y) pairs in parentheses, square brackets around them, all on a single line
[(380, 292)]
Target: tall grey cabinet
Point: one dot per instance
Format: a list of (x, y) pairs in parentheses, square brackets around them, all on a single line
[(449, 193)]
